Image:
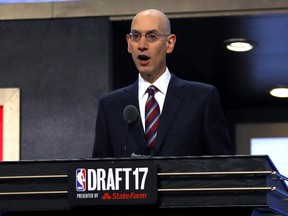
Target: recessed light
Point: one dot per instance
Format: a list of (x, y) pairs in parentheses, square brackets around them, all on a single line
[(239, 44), (281, 92)]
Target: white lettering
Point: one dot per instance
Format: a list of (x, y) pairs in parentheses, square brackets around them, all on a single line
[(101, 174), (91, 175), (145, 172), (127, 182), (110, 180), (117, 178)]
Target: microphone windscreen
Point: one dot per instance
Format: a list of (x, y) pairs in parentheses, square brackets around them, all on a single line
[(130, 114)]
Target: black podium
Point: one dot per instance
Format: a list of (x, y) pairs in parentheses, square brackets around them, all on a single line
[(207, 185)]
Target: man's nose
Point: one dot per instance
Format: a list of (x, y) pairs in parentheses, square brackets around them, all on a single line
[(143, 43)]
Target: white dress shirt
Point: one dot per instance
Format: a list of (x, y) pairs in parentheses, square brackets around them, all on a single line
[(161, 83)]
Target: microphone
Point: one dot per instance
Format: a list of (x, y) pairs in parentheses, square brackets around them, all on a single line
[(130, 115)]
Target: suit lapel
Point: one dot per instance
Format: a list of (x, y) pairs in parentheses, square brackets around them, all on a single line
[(173, 100), (130, 97)]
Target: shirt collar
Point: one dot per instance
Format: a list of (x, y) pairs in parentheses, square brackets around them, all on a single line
[(161, 83)]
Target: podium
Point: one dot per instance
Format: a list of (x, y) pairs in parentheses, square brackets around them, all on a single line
[(225, 185)]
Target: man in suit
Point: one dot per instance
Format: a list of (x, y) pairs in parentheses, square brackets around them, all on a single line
[(191, 118)]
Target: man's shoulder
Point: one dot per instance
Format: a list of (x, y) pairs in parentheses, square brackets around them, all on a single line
[(117, 93), (191, 83)]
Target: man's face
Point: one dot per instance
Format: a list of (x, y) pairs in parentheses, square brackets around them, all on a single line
[(149, 56)]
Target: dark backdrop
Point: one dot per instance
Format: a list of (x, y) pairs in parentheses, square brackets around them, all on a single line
[(61, 67)]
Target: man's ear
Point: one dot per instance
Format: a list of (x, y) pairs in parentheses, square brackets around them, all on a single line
[(171, 41), (128, 43)]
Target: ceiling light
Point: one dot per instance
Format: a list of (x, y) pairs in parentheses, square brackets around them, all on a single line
[(239, 45), (280, 92)]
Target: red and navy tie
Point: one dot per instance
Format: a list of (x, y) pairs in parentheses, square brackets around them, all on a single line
[(152, 115)]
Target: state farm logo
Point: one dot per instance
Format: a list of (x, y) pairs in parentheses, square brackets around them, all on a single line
[(124, 196), (106, 196)]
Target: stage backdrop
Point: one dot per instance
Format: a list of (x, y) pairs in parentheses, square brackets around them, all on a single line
[(60, 66)]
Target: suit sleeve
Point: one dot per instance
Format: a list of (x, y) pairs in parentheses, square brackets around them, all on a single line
[(216, 132), (102, 144)]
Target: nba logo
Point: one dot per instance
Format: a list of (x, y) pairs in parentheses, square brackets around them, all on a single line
[(81, 179)]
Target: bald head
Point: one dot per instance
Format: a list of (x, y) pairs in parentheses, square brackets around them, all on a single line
[(149, 52), (163, 20)]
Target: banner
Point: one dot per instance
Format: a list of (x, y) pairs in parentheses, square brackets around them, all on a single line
[(113, 183)]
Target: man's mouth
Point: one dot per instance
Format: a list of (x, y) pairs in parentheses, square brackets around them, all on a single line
[(143, 58)]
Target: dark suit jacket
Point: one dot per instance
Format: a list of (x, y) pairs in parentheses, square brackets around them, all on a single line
[(191, 123)]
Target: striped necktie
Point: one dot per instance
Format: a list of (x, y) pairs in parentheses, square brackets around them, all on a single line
[(152, 114)]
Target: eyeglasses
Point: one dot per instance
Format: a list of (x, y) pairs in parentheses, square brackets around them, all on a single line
[(151, 37)]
